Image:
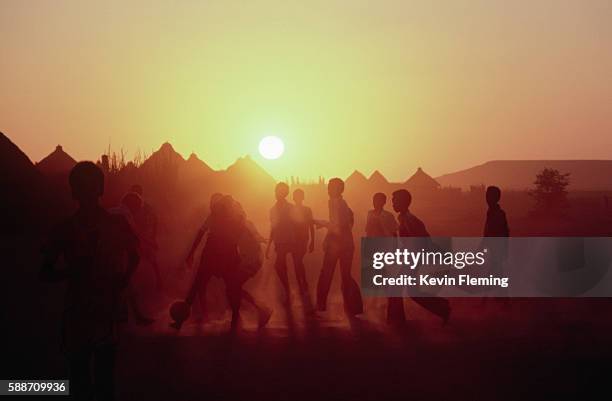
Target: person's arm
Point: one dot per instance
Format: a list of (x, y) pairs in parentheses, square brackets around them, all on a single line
[(196, 241), (311, 229), (345, 217)]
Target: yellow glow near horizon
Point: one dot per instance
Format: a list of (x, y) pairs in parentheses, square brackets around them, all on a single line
[(271, 147)]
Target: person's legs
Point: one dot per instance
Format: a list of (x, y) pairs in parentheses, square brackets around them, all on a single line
[(199, 284), (300, 271), (202, 293), (80, 375), (346, 262), (234, 295), (325, 278), (104, 372), (139, 316), (280, 265), (353, 303), (300, 275), (437, 305), (395, 311), (263, 312)]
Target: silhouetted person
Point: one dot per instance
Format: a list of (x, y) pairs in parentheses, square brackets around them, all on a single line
[(304, 242), (130, 206), (339, 248), (100, 253), (380, 222), (412, 226), (282, 234), (205, 271), (496, 224), (146, 223), (231, 252), (251, 261)]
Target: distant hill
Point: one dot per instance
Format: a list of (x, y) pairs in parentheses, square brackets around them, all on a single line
[(520, 174)]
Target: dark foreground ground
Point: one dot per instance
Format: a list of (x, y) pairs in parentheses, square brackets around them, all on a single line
[(546, 349), (468, 359), (500, 357)]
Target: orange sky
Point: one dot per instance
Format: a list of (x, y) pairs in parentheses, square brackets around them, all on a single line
[(366, 85)]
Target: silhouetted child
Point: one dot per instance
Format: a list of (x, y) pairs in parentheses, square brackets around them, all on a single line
[(229, 253), (496, 224), (339, 248), (251, 261), (412, 226), (130, 206), (304, 242), (146, 222), (100, 253), (282, 234), (380, 222)]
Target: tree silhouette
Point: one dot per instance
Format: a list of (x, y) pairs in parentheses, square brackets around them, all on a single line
[(550, 191)]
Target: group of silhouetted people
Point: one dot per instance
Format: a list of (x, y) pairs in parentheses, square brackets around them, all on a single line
[(231, 252), (102, 248)]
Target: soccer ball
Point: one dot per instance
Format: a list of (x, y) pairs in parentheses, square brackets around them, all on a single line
[(179, 311)]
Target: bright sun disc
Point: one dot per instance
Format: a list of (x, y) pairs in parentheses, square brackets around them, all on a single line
[(271, 147)]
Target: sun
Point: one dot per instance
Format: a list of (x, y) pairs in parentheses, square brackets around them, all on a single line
[(271, 147)]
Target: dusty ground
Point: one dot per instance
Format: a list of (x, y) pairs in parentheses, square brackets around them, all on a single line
[(497, 356)]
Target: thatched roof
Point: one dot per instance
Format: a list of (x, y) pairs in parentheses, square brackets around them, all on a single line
[(422, 180), (356, 177), (57, 162), (377, 178)]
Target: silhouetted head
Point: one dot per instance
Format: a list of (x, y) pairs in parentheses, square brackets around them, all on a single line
[(401, 200), (298, 196), (223, 206), (335, 187), (137, 188), (132, 201), (378, 201), (86, 182), (214, 198), (493, 195), (281, 191)]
